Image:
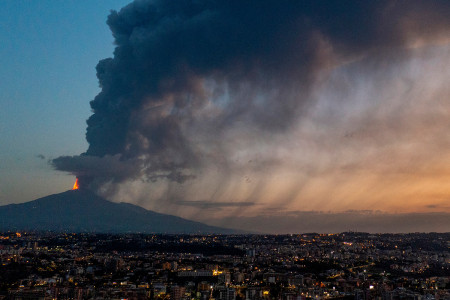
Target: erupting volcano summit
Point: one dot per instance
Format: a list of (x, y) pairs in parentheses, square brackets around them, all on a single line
[(75, 185)]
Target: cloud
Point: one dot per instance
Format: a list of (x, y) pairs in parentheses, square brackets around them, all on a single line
[(297, 104), (213, 205), (101, 169), (439, 207), (321, 222)]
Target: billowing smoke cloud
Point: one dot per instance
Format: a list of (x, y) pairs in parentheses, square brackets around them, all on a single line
[(211, 91)]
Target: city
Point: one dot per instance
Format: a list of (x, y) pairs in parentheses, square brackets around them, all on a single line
[(225, 150), (348, 265)]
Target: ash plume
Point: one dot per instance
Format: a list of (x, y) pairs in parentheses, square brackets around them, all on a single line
[(202, 87)]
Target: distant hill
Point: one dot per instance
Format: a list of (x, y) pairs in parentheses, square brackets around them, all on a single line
[(83, 211)]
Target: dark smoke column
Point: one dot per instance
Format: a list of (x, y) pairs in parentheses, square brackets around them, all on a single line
[(185, 73)]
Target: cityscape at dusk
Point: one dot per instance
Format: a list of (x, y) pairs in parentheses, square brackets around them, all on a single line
[(270, 117), (225, 150), (349, 265)]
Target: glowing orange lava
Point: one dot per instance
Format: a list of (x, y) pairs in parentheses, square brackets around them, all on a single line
[(75, 186)]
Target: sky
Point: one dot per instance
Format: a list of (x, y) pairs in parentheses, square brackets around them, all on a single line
[(48, 56), (277, 117)]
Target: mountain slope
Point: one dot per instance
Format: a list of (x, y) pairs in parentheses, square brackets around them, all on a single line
[(83, 211)]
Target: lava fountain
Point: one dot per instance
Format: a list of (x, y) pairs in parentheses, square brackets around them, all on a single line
[(75, 185)]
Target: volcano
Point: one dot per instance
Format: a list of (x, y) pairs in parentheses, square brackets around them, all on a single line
[(81, 210)]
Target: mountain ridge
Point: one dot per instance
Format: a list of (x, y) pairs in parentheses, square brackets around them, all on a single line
[(83, 211)]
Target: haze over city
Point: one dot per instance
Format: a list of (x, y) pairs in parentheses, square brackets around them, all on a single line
[(264, 116)]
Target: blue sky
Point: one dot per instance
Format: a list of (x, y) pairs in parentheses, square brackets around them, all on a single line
[(47, 77)]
